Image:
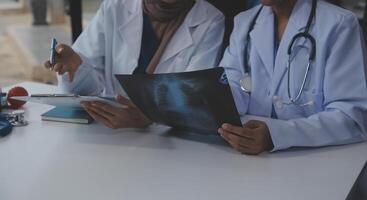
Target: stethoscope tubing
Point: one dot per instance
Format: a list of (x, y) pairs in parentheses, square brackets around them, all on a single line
[(306, 35)]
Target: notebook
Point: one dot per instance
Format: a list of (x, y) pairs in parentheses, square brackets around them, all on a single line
[(68, 115)]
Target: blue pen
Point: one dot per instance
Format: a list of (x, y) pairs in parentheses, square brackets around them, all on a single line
[(53, 51)]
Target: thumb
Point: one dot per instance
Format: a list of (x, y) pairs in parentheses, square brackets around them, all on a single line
[(124, 101)]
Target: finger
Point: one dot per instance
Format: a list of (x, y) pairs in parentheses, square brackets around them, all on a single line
[(99, 118), (113, 122), (48, 65), (248, 150), (96, 116), (60, 48), (100, 112), (63, 70), (105, 108), (241, 141), (122, 100), (238, 147), (253, 124), (58, 67), (111, 110), (241, 131), (233, 129)]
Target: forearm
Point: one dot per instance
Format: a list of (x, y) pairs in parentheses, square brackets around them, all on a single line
[(322, 129), (90, 46)]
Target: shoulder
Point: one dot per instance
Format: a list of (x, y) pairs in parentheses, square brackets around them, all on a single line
[(242, 21), (211, 11), (246, 16), (335, 16), (108, 4), (117, 5)]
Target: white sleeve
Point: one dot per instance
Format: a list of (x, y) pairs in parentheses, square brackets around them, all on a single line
[(231, 62), (89, 78)]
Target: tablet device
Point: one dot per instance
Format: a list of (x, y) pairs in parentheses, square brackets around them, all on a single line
[(66, 100), (199, 101)]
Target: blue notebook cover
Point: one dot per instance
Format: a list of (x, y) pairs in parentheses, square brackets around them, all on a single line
[(68, 115)]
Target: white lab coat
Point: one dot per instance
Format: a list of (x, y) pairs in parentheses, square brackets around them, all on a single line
[(111, 45), (335, 93)]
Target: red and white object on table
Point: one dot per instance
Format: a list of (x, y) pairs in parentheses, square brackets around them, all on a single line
[(14, 92)]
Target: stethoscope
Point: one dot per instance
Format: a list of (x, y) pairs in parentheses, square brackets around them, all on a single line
[(246, 82), (11, 119)]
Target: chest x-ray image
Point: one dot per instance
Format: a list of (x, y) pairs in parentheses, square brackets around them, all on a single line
[(198, 101)]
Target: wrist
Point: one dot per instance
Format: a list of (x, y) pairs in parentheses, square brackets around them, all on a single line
[(270, 145)]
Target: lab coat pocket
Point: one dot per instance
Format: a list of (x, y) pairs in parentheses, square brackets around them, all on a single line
[(310, 103)]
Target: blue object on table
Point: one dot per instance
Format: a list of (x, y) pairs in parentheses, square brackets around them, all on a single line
[(5, 126), (68, 115)]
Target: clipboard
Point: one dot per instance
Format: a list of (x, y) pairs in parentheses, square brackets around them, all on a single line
[(67, 100)]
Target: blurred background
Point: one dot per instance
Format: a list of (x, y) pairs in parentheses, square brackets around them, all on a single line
[(27, 26), (26, 29)]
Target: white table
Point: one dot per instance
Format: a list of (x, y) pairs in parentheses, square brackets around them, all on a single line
[(56, 161)]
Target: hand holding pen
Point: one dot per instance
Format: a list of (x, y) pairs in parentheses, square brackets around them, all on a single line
[(63, 59)]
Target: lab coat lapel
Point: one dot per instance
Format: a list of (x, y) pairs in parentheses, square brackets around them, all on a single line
[(297, 23), (130, 22), (262, 38), (182, 39)]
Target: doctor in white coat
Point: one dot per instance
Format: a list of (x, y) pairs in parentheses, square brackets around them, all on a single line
[(162, 36), (277, 110)]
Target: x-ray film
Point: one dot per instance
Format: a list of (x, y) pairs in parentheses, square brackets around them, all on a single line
[(199, 101)]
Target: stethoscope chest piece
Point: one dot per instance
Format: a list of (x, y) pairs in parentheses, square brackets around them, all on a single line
[(16, 118), (246, 83)]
